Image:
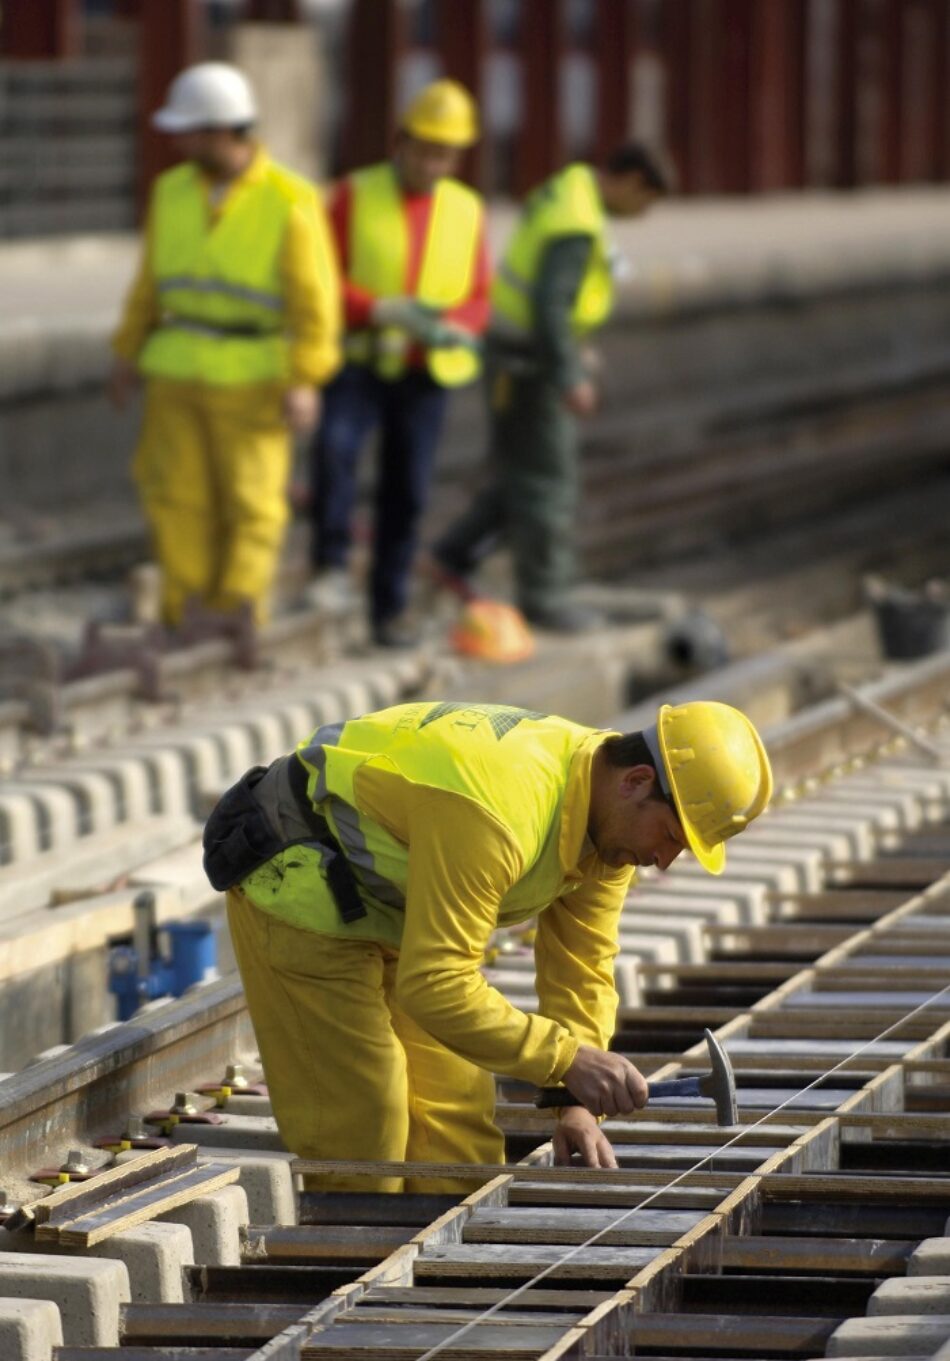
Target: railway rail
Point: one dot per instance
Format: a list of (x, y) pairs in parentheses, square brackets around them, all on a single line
[(817, 1227)]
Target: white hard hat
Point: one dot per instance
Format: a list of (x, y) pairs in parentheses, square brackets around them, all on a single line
[(209, 95)]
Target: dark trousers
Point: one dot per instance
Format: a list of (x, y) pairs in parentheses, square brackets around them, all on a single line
[(409, 414), (532, 498)]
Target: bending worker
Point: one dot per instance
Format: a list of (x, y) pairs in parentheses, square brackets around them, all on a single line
[(368, 869), (233, 319), (411, 243), (553, 287)]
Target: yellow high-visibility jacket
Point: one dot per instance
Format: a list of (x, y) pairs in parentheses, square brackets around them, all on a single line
[(379, 255), (567, 204), (240, 290), (458, 818)]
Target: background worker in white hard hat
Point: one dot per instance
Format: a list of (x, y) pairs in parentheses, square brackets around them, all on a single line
[(369, 868), (553, 287), (233, 320), (416, 280)]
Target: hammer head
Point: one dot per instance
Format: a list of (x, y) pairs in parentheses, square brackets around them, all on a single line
[(721, 1082)]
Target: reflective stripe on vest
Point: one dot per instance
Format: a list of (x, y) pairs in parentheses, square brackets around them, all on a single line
[(378, 251), (568, 204), (220, 284), (513, 762)]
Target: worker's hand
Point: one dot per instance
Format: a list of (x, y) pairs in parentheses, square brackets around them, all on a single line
[(123, 380), (407, 313), (607, 1084), (578, 1132), (302, 409), (581, 399)]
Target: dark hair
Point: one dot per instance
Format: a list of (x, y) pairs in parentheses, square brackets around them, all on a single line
[(634, 159), (630, 749)]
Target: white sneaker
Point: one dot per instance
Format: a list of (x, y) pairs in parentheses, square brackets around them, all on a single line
[(332, 591)]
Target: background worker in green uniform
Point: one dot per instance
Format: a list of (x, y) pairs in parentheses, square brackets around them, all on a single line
[(553, 287), (368, 869)]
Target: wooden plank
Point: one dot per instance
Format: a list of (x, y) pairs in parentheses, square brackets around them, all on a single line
[(483, 1297), (192, 1324), (841, 1186), (394, 1342), (487, 1171), (774, 1253), (522, 1224), (740, 1332), (305, 1243), (94, 1227), (476, 1261), (608, 1193), (65, 1201)]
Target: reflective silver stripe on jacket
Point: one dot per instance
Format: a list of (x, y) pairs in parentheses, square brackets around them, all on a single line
[(272, 300), (314, 754), (351, 838), (208, 328), (513, 280)]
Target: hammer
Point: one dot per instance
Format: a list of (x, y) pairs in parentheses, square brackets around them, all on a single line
[(719, 1083)]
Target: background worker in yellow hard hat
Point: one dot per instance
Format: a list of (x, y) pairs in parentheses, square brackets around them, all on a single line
[(233, 320), (553, 287), (369, 868), (411, 243)]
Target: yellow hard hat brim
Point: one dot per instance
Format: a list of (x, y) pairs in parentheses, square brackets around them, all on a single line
[(711, 855), (431, 132)]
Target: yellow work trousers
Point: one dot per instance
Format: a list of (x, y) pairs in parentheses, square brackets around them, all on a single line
[(350, 1075), (212, 467)]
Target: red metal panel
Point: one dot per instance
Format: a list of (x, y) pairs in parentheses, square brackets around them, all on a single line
[(462, 41), (37, 29), (891, 53), (777, 121), (539, 149), (615, 41), (676, 46), (171, 34), (847, 38), (376, 41)]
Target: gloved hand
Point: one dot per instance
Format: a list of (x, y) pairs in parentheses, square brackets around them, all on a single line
[(406, 313)]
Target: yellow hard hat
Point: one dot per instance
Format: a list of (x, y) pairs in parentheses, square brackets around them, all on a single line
[(493, 632), (443, 112), (717, 770)]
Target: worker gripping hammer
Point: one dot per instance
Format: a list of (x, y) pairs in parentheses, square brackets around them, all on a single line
[(719, 1083)]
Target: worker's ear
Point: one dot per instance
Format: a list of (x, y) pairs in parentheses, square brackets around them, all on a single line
[(637, 783)]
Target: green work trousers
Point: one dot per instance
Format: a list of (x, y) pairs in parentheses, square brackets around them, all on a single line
[(532, 498)]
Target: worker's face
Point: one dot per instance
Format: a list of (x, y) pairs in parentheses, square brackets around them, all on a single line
[(637, 827), (422, 164), (216, 150), (628, 195)]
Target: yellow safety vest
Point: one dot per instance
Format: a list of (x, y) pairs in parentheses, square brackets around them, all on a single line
[(219, 285), (513, 762), (378, 251), (568, 204)]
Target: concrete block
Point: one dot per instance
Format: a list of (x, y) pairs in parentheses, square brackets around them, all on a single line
[(266, 1181), (29, 1330), (19, 826), (86, 1290), (754, 910), (649, 949), (215, 1222), (253, 1133), (239, 1104), (687, 931), (920, 1295), (627, 981), (806, 865), (889, 1335), (943, 1354), (153, 1255), (769, 877), (713, 911)]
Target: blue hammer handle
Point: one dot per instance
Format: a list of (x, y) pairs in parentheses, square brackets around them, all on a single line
[(674, 1086)]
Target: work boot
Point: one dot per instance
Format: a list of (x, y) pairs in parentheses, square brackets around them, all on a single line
[(566, 618), (445, 576), (397, 632)]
